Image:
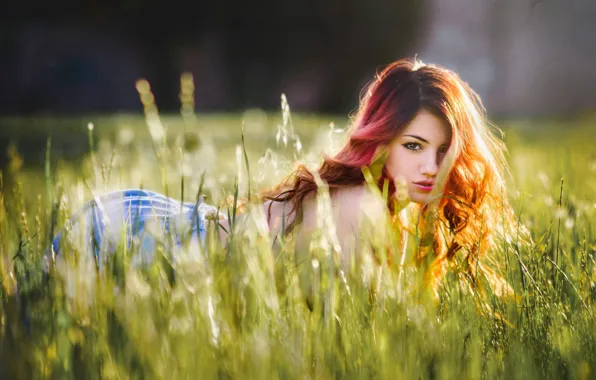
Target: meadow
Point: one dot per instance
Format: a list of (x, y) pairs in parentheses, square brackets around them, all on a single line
[(237, 312)]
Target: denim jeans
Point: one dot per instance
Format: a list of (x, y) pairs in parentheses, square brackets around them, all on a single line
[(138, 218)]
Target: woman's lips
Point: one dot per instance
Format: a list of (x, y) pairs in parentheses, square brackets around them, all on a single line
[(424, 186)]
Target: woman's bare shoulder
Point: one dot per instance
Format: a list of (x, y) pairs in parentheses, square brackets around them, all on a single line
[(357, 200), (349, 205), (276, 211)]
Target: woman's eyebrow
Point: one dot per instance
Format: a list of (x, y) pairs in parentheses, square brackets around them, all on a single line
[(417, 137)]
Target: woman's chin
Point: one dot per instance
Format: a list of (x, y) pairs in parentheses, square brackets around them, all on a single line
[(419, 198)]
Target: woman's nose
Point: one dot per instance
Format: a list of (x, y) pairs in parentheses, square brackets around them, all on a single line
[(430, 165)]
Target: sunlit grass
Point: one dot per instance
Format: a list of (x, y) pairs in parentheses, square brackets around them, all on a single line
[(240, 312)]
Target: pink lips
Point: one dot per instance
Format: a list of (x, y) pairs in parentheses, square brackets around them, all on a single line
[(424, 185)]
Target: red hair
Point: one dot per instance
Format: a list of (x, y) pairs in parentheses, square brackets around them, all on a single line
[(472, 205)]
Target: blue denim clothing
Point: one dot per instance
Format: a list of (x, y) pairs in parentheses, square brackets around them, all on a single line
[(142, 219)]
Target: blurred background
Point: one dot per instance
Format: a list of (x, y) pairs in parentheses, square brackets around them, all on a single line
[(72, 127), (526, 58)]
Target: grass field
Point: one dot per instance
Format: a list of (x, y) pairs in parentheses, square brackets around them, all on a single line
[(238, 312)]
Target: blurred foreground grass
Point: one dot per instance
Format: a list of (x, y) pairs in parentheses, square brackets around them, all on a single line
[(239, 312)]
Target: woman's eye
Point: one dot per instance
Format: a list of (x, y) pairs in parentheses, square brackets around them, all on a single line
[(443, 150), (412, 146)]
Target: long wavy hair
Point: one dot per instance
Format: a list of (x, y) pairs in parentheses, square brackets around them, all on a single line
[(469, 209)]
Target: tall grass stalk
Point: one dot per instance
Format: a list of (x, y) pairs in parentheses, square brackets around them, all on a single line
[(257, 308)]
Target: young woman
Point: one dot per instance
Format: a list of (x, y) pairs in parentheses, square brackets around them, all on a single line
[(423, 128), (421, 134)]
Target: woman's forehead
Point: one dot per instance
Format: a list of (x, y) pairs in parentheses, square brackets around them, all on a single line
[(429, 127)]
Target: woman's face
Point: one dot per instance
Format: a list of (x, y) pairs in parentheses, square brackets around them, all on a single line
[(417, 153)]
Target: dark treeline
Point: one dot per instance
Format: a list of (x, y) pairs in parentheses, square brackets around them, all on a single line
[(81, 57)]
